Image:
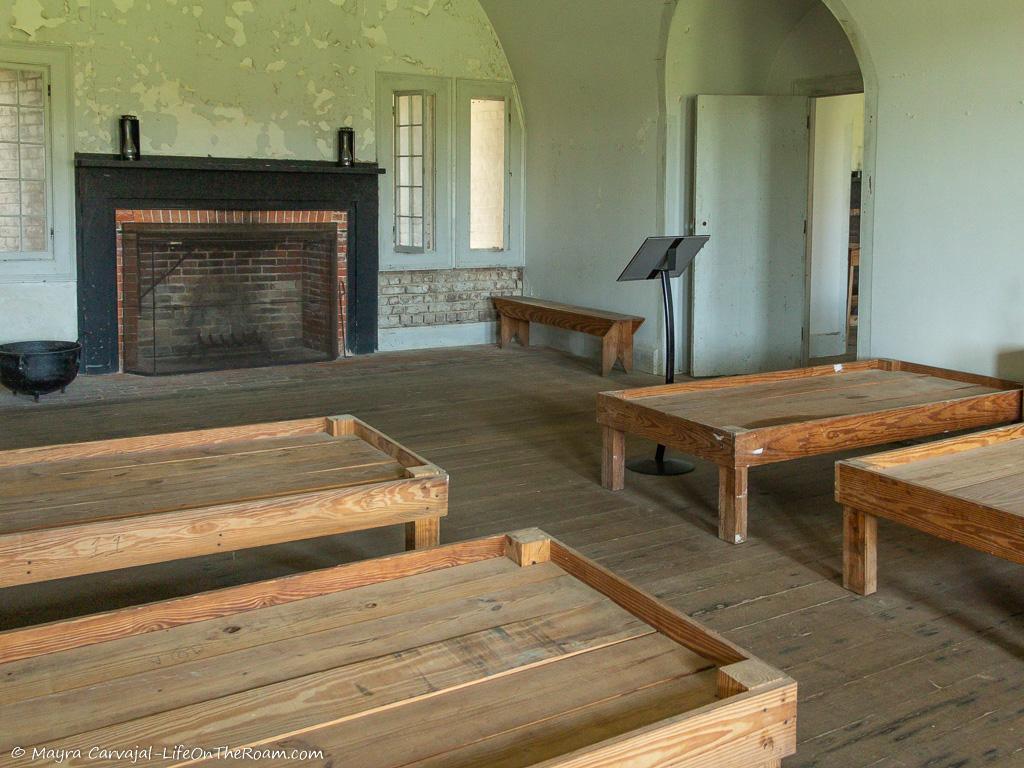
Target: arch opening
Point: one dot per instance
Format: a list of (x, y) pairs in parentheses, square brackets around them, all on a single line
[(802, 49)]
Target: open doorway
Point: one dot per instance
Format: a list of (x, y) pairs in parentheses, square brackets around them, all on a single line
[(833, 226), (741, 81)]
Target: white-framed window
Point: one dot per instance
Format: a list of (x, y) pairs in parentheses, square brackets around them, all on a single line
[(414, 148), (414, 170), (488, 174), (489, 121), (452, 152), (36, 188)]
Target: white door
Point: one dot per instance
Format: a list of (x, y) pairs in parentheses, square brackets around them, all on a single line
[(749, 295)]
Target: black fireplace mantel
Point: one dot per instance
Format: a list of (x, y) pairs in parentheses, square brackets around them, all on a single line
[(104, 183)]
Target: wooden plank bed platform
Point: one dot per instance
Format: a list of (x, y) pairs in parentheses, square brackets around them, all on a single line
[(966, 489), (499, 652), (744, 421), (68, 510)]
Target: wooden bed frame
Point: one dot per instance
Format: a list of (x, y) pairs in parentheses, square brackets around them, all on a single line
[(511, 650), (68, 510), (787, 415), (968, 489)]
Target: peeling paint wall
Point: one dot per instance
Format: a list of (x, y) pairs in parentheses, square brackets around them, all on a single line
[(249, 78), (235, 78)]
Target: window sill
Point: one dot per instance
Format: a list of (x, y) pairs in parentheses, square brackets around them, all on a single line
[(491, 259), (407, 262)]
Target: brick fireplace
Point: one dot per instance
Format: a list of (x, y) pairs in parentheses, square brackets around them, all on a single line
[(204, 289), (190, 263)]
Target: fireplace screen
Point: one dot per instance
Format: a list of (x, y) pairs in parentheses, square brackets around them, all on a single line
[(210, 296)]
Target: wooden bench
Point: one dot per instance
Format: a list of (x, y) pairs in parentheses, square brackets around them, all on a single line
[(68, 510), (616, 331), (967, 489), (740, 422), (504, 651)]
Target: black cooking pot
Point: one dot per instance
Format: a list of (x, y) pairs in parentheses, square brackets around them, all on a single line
[(39, 367)]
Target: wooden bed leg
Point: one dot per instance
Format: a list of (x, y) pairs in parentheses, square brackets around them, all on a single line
[(523, 332), (613, 459), (507, 330), (422, 533), (732, 504), (860, 551)]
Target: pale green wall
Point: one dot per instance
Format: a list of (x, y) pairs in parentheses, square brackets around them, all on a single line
[(740, 47), (946, 270), (595, 79), (235, 78), (941, 253), (589, 78)]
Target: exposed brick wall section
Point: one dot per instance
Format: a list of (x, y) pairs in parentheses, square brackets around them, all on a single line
[(444, 296), (204, 216)]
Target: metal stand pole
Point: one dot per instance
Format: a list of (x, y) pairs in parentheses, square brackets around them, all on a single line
[(659, 465)]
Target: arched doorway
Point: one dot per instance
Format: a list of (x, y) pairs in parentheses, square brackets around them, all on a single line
[(750, 72)]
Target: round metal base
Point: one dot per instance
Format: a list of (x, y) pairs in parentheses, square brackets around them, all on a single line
[(655, 467)]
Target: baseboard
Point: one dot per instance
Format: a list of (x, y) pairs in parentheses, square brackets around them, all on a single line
[(648, 359), (427, 336)]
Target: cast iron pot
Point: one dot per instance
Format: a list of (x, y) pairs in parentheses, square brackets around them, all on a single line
[(39, 367)]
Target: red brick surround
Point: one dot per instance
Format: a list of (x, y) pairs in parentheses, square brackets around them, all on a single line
[(187, 216)]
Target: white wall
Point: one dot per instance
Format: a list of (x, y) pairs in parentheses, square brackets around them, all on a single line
[(946, 269), (38, 311), (816, 56), (944, 112), (589, 78), (742, 47), (599, 103), (837, 152)]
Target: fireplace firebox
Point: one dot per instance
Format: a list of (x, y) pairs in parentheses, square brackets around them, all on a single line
[(211, 296)]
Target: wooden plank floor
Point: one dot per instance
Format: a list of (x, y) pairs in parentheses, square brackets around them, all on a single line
[(926, 673)]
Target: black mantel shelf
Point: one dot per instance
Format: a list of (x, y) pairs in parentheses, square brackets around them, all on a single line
[(182, 163)]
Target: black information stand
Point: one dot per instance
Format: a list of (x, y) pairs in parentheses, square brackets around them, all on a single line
[(663, 258)]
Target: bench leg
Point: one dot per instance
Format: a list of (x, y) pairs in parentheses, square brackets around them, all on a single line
[(422, 533), (508, 330), (609, 350), (860, 551), (523, 332), (732, 504), (626, 346), (613, 459)]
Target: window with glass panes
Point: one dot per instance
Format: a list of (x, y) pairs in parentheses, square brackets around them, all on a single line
[(23, 158), (413, 172), (487, 174)]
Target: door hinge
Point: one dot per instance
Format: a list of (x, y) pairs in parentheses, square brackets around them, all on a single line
[(805, 226), (49, 90), (808, 122)]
